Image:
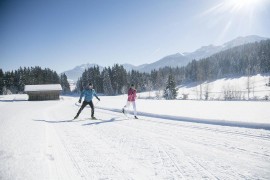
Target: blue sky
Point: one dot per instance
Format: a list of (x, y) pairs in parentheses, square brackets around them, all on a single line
[(61, 34)]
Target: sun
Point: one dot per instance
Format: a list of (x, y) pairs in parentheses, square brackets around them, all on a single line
[(235, 6), (243, 5), (244, 2)]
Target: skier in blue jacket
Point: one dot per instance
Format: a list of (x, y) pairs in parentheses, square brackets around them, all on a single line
[(88, 94)]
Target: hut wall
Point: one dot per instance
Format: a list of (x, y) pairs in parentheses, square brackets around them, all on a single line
[(43, 95)]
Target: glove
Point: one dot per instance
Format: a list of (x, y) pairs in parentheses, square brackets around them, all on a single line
[(80, 101)]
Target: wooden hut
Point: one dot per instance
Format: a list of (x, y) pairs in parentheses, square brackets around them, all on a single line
[(43, 92)]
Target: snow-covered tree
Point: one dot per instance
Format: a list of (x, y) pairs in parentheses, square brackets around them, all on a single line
[(118, 78), (107, 85), (64, 83), (170, 91)]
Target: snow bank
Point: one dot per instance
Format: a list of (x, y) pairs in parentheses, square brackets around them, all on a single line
[(252, 114)]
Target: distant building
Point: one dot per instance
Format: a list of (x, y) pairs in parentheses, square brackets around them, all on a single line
[(43, 92)]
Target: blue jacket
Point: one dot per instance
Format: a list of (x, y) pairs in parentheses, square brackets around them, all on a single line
[(88, 95)]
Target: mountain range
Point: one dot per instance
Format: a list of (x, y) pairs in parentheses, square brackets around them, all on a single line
[(178, 59)]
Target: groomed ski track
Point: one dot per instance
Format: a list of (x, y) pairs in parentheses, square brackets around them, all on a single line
[(41, 141)]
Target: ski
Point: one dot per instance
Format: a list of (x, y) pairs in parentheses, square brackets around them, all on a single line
[(81, 119), (127, 116)]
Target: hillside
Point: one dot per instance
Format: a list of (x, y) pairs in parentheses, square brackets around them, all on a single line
[(231, 88)]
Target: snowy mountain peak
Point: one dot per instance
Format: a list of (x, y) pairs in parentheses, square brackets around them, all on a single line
[(206, 51), (176, 55), (207, 48), (76, 72), (85, 66), (243, 40), (182, 54)]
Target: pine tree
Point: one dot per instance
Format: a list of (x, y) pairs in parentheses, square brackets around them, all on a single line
[(98, 80), (8, 81), (118, 78), (153, 79), (1, 81), (21, 81), (161, 81), (79, 85), (64, 83), (170, 91), (107, 85)]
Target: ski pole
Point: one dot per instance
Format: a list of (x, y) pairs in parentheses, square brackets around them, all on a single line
[(96, 103)]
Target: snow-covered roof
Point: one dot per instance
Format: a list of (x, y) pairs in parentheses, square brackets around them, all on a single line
[(43, 87)]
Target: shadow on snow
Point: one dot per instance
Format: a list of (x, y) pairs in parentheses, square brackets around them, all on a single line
[(93, 122)]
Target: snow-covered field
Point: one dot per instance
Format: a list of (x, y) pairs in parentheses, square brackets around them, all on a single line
[(243, 87), (171, 140)]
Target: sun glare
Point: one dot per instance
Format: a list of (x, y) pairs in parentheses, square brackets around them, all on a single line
[(239, 5), (234, 16), (245, 2), (235, 6)]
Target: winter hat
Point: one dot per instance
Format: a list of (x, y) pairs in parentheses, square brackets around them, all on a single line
[(90, 84)]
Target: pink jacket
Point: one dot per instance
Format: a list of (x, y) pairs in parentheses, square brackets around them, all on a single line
[(131, 94)]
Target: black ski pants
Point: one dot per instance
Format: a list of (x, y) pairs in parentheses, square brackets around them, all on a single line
[(85, 104)]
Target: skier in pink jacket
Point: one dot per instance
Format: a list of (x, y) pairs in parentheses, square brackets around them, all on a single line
[(131, 100)]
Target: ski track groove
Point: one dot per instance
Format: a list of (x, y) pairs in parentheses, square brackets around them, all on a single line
[(73, 171), (260, 137), (165, 144), (73, 160), (77, 152), (135, 149), (108, 143), (197, 166), (169, 156), (164, 159), (263, 155), (57, 131), (183, 125), (267, 138), (232, 172), (92, 163)]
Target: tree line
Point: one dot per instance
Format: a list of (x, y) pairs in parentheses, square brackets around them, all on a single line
[(15, 81), (116, 80)]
